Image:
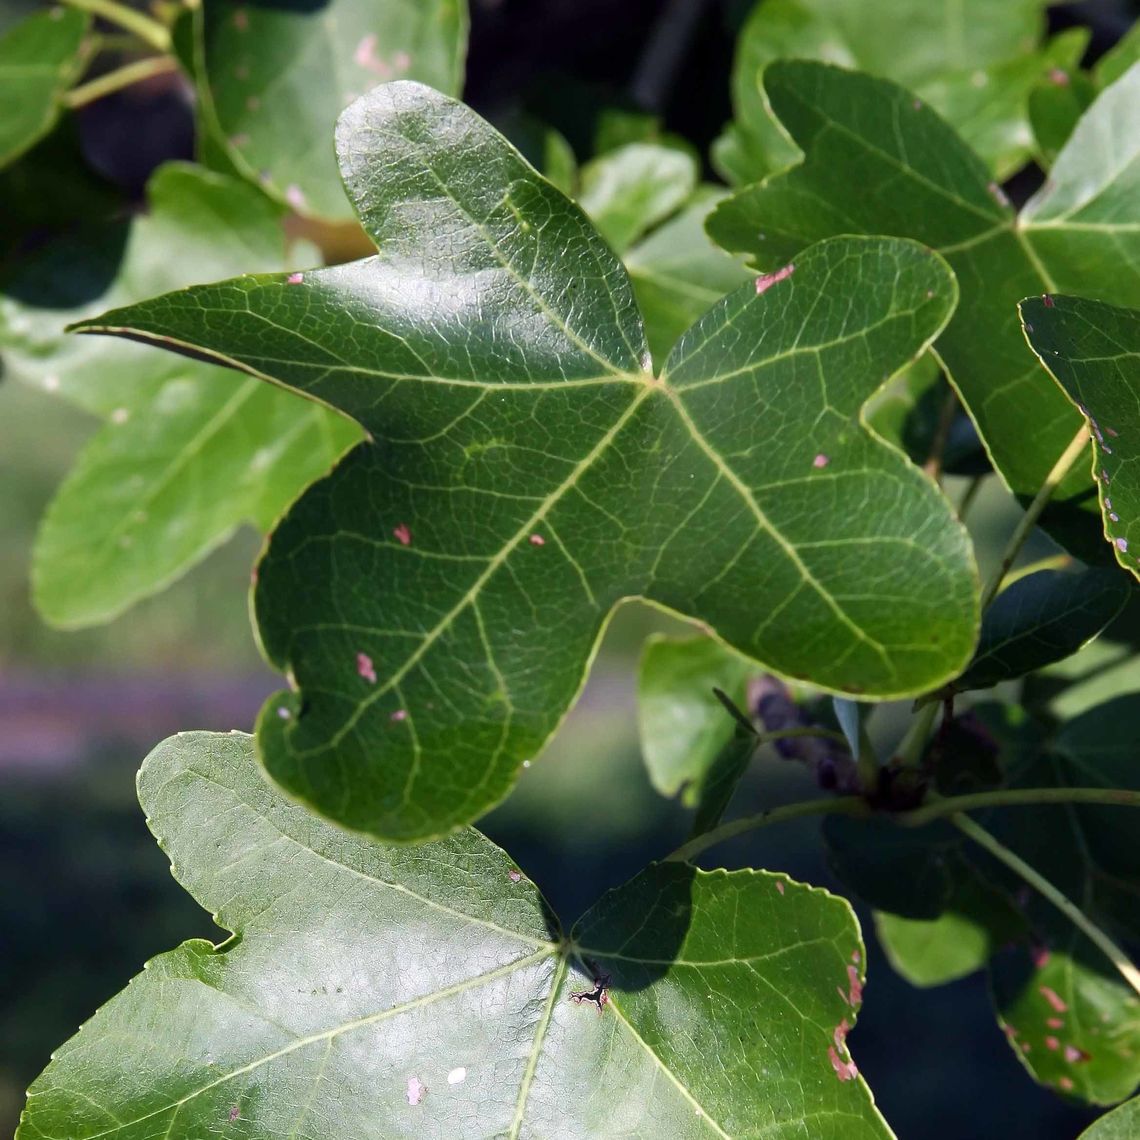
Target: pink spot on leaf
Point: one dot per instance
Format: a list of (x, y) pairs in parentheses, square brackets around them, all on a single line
[(765, 281), (1055, 1022), (283, 712), (1074, 1055), (241, 20), (1040, 956), (1053, 998), (1122, 544), (235, 1112), (399, 715), (402, 535), (365, 669), (821, 460), (416, 1090), (844, 1070), (537, 540), (780, 887), (855, 995), (514, 875), (294, 279), (295, 196), (1047, 300), (1052, 1043), (1112, 432), (1058, 77), (1065, 1083), (365, 56)]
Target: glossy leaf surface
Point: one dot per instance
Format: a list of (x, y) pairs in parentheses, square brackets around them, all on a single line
[(438, 598), (274, 77), (186, 454), (40, 58), (915, 177), (1092, 350), (683, 727), (414, 991), (1039, 619), (973, 60)]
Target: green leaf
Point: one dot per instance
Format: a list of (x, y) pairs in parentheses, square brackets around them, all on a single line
[(40, 58), (186, 455), (1092, 350), (626, 192), (679, 273), (1122, 1123), (438, 598), (1115, 62), (683, 726), (1056, 105), (1039, 619), (977, 922), (410, 991), (971, 59), (916, 178), (273, 78)]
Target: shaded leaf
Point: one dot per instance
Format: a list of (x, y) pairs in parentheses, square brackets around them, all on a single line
[(186, 455), (40, 58), (682, 724), (626, 192), (915, 177), (438, 598), (427, 990), (974, 61), (1122, 1123), (679, 273), (1039, 619), (1056, 105), (1092, 350), (274, 77), (717, 783)]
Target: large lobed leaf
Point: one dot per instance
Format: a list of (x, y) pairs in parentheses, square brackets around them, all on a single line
[(975, 61), (40, 58), (272, 79), (186, 455), (1092, 350), (437, 599), (878, 160), (372, 990)]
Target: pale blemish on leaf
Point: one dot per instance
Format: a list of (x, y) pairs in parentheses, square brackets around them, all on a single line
[(295, 196), (457, 1076), (402, 534), (766, 280), (399, 715), (416, 1090), (1053, 998), (294, 279), (820, 460), (365, 668), (537, 540)]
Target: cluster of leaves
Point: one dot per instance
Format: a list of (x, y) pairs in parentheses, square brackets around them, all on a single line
[(519, 410)]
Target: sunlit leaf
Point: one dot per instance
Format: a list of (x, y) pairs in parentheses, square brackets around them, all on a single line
[(1122, 1123), (878, 160), (428, 990)]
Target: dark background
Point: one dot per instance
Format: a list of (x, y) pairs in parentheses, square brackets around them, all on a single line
[(86, 896)]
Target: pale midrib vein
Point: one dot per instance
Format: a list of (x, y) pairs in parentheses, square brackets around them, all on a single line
[(770, 528), (332, 1034), (371, 879), (738, 960), (179, 462), (1031, 255), (472, 592), (623, 1020), (536, 1050)]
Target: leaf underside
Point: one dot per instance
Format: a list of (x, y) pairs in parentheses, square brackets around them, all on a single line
[(437, 599)]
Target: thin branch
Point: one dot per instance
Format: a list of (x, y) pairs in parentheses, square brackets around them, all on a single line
[(148, 30), (1016, 797), (121, 77), (832, 805), (1060, 469), (933, 464), (969, 495), (1042, 885)]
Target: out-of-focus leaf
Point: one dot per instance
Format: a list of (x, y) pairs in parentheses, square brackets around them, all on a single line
[(1120, 58), (1092, 350), (428, 991), (977, 922), (679, 273), (436, 625), (1056, 105), (628, 191), (974, 61), (40, 58), (187, 454), (683, 726), (272, 79), (1122, 1123), (879, 161), (1042, 618)]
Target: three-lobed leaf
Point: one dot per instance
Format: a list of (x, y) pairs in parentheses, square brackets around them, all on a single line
[(185, 455), (40, 58), (1092, 350), (272, 79), (437, 599), (878, 160), (405, 991)]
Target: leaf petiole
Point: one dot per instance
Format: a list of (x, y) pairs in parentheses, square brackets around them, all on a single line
[(148, 30), (118, 79)]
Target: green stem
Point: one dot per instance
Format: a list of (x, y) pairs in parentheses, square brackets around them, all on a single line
[(911, 747), (148, 30), (1060, 469), (118, 79), (1042, 885), (968, 497), (1015, 797), (867, 764), (835, 805), (933, 465)]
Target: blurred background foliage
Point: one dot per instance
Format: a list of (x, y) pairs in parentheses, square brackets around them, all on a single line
[(85, 894)]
